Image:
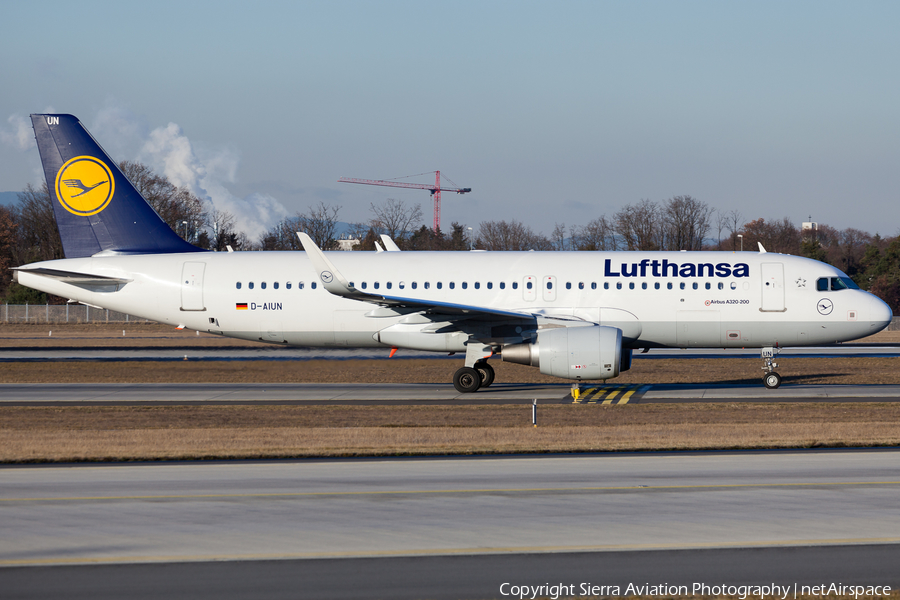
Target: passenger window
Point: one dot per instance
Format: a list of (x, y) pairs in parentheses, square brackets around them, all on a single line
[(721, 286), (733, 285), (681, 285), (630, 285), (452, 285), (502, 285), (363, 285), (376, 285), (549, 285), (238, 285), (465, 285), (388, 285), (618, 285), (401, 285), (580, 285), (313, 285), (656, 285), (695, 285), (669, 285), (427, 285), (490, 285), (414, 285), (643, 285), (250, 285), (708, 285), (594, 285), (300, 285), (605, 285), (516, 285), (822, 284), (263, 285), (275, 285), (568, 285), (440, 285), (529, 285), (477, 285)]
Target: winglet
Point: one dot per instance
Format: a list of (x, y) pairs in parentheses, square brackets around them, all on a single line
[(389, 244), (761, 249), (330, 277)]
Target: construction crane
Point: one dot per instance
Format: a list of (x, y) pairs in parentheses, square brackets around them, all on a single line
[(435, 190)]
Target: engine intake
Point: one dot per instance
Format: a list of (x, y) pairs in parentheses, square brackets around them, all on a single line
[(593, 352)]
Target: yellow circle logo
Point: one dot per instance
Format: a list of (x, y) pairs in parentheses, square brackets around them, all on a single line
[(84, 185)]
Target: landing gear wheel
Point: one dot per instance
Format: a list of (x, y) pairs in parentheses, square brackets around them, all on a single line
[(487, 373), (467, 380), (772, 380)]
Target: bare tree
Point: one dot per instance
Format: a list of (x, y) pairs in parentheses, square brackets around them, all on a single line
[(8, 228), (512, 235), (559, 240), (686, 223), (37, 237), (396, 219), (319, 222), (599, 234), (640, 226)]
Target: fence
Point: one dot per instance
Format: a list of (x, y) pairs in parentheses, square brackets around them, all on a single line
[(67, 313), (79, 313)]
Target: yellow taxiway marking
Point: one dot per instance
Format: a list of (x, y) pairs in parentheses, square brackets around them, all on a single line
[(638, 488), (447, 551), (610, 394)]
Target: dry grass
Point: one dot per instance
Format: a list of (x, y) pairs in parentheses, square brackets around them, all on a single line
[(155, 433), (122, 433)]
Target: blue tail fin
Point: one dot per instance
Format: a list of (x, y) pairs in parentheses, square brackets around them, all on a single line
[(96, 207)]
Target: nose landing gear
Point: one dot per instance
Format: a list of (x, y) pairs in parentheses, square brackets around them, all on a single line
[(771, 379)]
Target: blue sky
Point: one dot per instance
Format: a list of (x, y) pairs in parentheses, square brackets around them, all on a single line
[(551, 112)]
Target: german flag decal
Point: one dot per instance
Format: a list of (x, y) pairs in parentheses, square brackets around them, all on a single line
[(241, 306)]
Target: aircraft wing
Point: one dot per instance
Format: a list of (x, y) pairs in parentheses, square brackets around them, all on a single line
[(338, 285)]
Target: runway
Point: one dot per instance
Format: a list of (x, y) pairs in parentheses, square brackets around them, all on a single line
[(153, 394), (268, 352), (448, 528)]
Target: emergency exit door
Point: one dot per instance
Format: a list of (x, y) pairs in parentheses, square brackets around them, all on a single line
[(192, 286)]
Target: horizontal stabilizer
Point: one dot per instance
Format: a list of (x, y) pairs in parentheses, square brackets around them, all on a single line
[(82, 280)]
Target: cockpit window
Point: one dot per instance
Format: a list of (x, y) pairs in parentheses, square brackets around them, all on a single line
[(823, 284), (843, 283)]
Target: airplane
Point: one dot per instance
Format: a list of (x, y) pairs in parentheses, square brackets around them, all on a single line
[(574, 315)]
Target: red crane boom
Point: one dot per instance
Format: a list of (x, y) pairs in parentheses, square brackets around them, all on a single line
[(435, 190)]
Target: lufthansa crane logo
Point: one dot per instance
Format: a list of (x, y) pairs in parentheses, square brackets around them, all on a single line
[(85, 185), (327, 277)]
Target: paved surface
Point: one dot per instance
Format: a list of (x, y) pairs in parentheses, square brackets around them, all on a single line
[(448, 527), (88, 394), (278, 353)]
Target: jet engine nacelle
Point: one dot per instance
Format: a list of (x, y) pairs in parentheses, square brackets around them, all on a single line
[(593, 352)]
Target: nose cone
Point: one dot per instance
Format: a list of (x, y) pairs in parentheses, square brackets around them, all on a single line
[(880, 314)]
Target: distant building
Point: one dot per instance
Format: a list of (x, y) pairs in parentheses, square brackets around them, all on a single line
[(347, 244)]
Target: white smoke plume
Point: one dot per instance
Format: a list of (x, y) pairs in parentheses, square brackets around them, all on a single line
[(19, 135), (204, 171)]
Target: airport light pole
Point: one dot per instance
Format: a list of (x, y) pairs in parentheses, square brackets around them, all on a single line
[(742, 241)]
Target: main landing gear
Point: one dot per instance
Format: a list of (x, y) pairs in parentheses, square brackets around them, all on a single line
[(477, 373), (771, 379), (471, 379)]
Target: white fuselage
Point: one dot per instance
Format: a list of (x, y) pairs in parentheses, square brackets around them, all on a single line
[(658, 299)]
